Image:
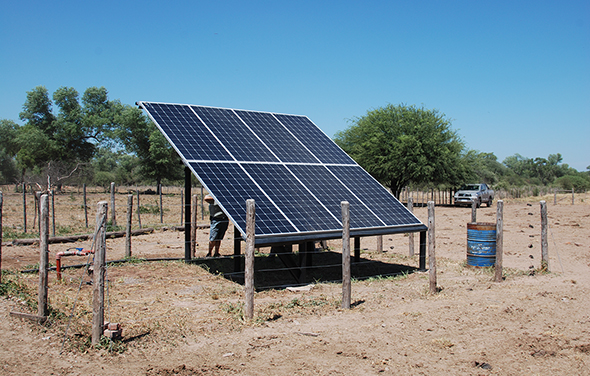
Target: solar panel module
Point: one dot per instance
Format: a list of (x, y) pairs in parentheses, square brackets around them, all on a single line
[(295, 173)]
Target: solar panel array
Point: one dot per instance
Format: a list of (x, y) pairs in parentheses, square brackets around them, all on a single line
[(296, 174)]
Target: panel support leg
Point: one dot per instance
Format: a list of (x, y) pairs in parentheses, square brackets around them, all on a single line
[(187, 214), (237, 250), (422, 265), (357, 249)]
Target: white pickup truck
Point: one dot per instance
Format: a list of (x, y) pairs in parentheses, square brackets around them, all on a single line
[(478, 193)]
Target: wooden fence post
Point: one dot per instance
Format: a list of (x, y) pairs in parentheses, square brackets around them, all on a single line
[(195, 204), (346, 284), (544, 243), (113, 214), (249, 261), (128, 228), (1, 203), (473, 212), (572, 196), (555, 196), (380, 243), (43, 255), (431, 248), (99, 272), (411, 234), (499, 240), (85, 206)]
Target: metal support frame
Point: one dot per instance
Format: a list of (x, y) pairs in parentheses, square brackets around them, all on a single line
[(187, 214), (422, 265)]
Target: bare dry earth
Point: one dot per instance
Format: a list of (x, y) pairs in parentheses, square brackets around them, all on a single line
[(181, 320)]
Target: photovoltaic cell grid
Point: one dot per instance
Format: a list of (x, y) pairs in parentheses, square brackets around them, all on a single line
[(296, 174)]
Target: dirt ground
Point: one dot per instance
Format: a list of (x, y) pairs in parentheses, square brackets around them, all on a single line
[(184, 319)]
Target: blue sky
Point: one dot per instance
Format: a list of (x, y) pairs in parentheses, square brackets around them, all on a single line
[(513, 76)]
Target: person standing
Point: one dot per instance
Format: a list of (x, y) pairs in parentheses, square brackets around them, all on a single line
[(219, 223)]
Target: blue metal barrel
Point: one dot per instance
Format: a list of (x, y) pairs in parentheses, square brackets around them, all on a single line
[(481, 244)]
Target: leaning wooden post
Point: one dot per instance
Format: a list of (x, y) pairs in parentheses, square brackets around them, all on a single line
[(499, 239), (99, 273), (24, 208), (346, 285), (1, 202), (113, 214), (474, 212), (195, 204), (43, 256), (544, 243), (411, 235), (85, 206), (128, 228), (431, 248), (249, 260)]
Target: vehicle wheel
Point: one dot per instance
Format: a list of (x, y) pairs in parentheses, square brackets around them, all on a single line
[(478, 205), (490, 202)]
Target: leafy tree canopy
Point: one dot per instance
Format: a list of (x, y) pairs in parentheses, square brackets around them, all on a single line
[(400, 144), (157, 159)]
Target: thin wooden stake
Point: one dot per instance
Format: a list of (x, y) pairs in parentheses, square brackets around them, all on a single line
[(431, 248), (544, 242), (380, 243), (473, 212), (499, 240), (161, 207), (128, 228), (113, 213), (249, 260), (411, 235), (24, 208), (99, 272), (346, 284), (202, 207), (43, 255), (138, 211), (53, 212)]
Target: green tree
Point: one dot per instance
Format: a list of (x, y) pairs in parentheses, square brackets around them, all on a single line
[(8, 150), (157, 159), (58, 144), (400, 144), (485, 167)]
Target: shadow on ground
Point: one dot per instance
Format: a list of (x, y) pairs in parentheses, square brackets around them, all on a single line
[(289, 269)]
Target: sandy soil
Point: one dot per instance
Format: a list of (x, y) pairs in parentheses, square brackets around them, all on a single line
[(181, 319)]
